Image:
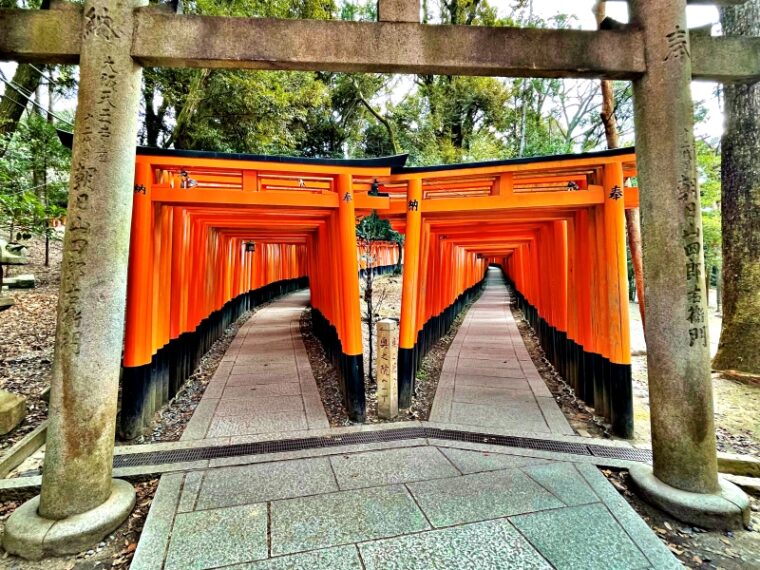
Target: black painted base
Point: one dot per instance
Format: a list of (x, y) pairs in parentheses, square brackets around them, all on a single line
[(600, 383), (350, 367), (410, 359), (146, 388)]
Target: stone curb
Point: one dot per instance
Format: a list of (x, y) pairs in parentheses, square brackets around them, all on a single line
[(22, 449)]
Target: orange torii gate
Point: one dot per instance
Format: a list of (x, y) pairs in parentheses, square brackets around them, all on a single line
[(214, 235), (556, 227)]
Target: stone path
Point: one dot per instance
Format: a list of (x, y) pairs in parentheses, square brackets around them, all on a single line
[(413, 504), (410, 505), (264, 383), (488, 378)]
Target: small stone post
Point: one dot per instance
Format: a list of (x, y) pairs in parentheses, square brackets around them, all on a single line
[(79, 502), (387, 378), (685, 476)]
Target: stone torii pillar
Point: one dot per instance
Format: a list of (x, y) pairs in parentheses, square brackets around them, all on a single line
[(80, 503), (684, 480)]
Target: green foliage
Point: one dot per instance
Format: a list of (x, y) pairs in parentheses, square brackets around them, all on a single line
[(435, 119), (374, 228), (33, 179), (708, 170)]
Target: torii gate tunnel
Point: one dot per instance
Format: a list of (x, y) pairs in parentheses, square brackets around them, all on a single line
[(539, 238), (213, 235)]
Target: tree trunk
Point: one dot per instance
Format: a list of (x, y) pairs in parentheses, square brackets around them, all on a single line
[(180, 135), (740, 209), (632, 223), (12, 105)]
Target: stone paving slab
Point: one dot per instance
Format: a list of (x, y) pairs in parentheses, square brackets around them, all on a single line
[(468, 461), (209, 539), (491, 545), (526, 417), (338, 558), (391, 466), (222, 426), (563, 481), (517, 511), (259, 405), (308, 523), (488, 382), (481, 496), (264, 383), (564, 537), (264, 391), (498, 396), (151, 550), (231, 486)]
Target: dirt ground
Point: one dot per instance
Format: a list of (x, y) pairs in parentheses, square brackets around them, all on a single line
[(115, 552), (387, 297), (737, 411), (27, 337)]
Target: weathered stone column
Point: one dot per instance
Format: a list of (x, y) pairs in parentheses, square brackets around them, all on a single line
[(685, 477), (79, 502)]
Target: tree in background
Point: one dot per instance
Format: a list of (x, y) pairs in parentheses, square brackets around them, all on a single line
[(369, 230), (740, 206), (33, 180), (608, 116)]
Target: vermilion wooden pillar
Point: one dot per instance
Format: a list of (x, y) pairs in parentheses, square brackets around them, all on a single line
[(409, 294), (139, 312), (353, 367), (618, 324)]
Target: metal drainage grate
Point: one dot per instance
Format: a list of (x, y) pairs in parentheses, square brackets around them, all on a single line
[(627, 453), (299, 444), (509, 441)]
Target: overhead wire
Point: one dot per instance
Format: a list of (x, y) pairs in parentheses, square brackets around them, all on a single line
[(19, 90)]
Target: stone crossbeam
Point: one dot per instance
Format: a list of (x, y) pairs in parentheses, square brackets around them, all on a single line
[(165, 39), (725, 59)]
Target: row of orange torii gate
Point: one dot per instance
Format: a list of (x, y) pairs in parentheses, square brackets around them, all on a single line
[(214, 235)]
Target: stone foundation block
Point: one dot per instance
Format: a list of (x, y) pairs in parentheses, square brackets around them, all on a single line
[(12, 411)]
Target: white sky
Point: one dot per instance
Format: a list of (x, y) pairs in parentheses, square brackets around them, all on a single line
[(702, 91), (582, 10)]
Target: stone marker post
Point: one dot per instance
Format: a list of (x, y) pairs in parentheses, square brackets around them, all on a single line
[(387, 371), (685, 476), (79, 502)]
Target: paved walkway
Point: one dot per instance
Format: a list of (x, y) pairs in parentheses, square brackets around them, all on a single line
[(264, 383), (488, 379), (412, 505)]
